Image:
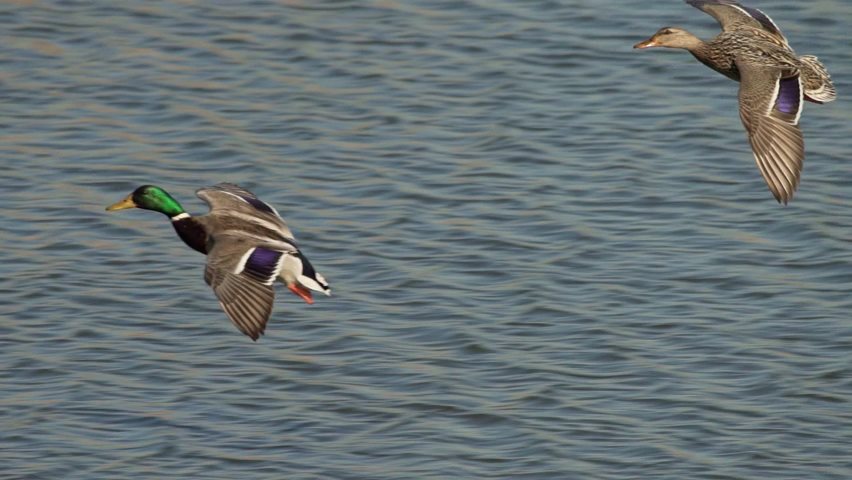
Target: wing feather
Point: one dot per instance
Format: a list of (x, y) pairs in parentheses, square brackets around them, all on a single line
[(246, 298), (770, 107), (733, 15), (235, 205)]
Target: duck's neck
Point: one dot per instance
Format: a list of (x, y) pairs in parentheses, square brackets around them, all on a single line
[(715, 58), (699, 48), (690, 42), (702, 53), (191, 231)]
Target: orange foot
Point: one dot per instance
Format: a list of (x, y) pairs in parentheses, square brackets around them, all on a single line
[(302, 292)]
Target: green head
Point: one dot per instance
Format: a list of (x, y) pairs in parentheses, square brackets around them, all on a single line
[(149, 197)]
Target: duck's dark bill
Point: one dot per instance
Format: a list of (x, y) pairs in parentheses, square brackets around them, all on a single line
[(122, 205)]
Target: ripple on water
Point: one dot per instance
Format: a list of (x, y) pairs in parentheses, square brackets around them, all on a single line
[(551, 255)]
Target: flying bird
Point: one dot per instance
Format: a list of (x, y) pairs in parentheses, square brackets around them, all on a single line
[(774, 81), (248, 248)]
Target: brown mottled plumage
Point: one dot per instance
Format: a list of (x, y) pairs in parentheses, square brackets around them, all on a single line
[(773, 84)]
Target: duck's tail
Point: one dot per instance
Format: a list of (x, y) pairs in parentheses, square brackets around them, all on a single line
[(817, 81)]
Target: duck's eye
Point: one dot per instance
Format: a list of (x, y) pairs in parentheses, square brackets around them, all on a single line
[(667, 31)]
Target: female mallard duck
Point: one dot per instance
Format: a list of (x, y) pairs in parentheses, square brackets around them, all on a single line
[(248, 247), (773, 83)]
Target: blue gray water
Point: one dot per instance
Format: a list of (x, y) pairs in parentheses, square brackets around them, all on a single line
[(552, 256)]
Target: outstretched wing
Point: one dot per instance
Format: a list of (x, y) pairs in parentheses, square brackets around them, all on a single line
[(733, 15), (242, 276), (229, 194), (234, 207), (770, 106)]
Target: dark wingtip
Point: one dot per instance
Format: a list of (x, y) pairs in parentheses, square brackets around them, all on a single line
[(782, 198), (255, 336)]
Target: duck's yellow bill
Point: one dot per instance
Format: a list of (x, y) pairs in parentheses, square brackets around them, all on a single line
[(122, 205)]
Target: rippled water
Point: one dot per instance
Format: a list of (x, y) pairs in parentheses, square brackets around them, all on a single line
[(553, 256)]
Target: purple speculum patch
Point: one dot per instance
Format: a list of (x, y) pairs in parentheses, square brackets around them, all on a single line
[(788, 95), (262, 262)]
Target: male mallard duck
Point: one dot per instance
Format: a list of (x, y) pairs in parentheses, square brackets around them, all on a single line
[(248, 247), (773, 82)]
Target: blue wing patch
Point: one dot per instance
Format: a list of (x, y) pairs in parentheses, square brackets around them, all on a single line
[(263, 264), (789, 95)]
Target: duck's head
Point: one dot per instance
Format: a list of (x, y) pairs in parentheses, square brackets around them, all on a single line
[(671, 37), (149, 197)]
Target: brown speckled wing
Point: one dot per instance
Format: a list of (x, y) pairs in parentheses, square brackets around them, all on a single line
[(769, 108), (733, 15)]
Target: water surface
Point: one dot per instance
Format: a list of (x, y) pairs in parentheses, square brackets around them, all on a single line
[(552, 256)]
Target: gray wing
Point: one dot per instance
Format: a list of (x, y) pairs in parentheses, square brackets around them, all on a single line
[(770, 106), (242, 275), (229, 195), (232, 206), (732, 15)]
